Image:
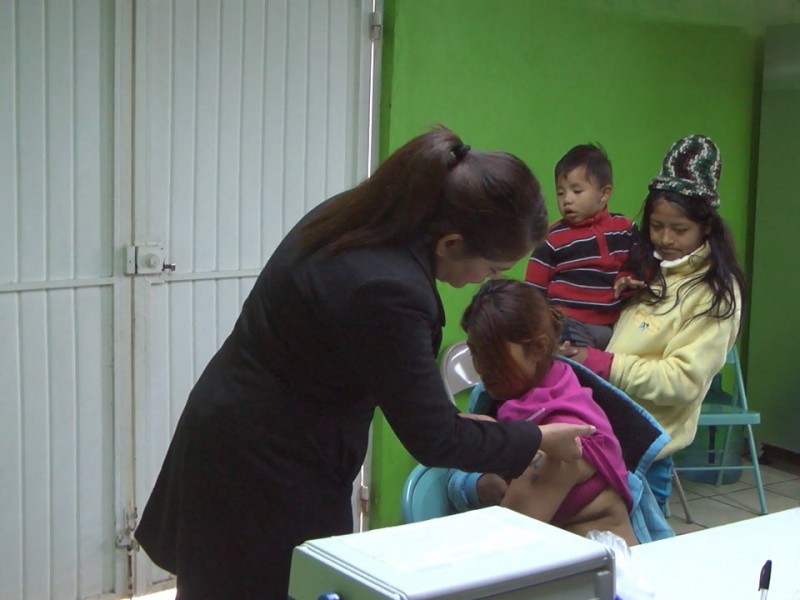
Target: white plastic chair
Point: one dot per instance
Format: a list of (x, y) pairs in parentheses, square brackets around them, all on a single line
[(457, 370), (424, 494)]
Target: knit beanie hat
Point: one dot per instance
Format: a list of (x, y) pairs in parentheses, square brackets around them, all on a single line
[(691, 167)]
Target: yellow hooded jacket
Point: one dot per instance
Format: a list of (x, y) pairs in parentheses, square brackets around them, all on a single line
[(664, 359)]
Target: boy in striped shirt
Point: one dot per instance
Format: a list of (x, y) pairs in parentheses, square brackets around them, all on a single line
[(579, 268)]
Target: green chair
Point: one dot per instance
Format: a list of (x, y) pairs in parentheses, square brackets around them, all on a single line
[(716, 413)]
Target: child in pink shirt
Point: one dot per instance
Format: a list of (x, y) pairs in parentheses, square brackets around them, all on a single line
[(513, 334)]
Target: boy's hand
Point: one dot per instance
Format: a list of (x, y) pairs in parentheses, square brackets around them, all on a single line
[(626, 283)]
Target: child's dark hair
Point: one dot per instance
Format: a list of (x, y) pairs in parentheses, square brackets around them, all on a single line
[(591, 156), (506, 310), (723, 274)]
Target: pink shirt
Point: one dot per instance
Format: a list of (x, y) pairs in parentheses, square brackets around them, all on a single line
[(560, 398)]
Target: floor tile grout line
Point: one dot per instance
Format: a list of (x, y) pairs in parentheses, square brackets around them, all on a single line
[(724, 503)]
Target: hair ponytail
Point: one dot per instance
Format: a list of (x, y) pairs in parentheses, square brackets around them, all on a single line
[(435, 185), (392, 204)]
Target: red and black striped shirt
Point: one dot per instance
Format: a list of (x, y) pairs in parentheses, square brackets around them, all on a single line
[(577, 265)]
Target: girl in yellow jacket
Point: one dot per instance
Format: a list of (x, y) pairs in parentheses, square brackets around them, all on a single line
[(673, 336)]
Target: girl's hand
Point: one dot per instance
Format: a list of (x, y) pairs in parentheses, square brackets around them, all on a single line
[(576, 353), (563, 440), (626, 283)]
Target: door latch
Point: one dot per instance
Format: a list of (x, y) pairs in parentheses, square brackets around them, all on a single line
[(147, 259)]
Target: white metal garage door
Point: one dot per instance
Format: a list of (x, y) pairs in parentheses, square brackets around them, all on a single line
[(196, 131)]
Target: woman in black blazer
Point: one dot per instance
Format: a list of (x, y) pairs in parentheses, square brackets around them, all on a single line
[(344, 317)]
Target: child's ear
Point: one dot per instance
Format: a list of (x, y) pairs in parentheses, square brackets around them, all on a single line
[(605, 194), (541, 345)]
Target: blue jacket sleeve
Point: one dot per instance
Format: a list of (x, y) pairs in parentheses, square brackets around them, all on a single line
[(462, 487)]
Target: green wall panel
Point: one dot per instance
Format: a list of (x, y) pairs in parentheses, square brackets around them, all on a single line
[(773, 379), (535, 78)]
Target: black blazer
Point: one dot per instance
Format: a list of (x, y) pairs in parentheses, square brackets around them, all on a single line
[(277, 426)]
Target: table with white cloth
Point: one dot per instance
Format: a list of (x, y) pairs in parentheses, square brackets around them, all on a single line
[(725, 562)]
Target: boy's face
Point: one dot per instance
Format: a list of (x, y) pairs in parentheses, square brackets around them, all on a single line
[(579, 196)]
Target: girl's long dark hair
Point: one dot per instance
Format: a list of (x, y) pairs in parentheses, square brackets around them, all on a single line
[(723, 275), (435, 185), (506, 310)]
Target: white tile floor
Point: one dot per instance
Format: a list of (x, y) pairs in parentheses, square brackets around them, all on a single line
[(710, 506)]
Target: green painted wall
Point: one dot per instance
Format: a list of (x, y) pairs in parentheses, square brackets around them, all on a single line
[(773, 377), (535, 78)]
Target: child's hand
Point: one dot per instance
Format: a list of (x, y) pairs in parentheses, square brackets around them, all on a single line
[(576, 353), (626, 283), (491, 489)]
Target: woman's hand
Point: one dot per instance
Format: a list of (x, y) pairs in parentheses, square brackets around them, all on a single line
[(563, 440), (491, 489), (475, 417), (576, 353)]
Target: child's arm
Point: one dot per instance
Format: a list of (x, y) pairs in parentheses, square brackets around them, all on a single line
[(468, 491), (690, 360), (545, 484), (540, 267), (628, 280), (597, 361)]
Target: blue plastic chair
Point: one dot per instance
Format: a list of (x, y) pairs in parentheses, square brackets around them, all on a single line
[(424, 494), (714, 414)]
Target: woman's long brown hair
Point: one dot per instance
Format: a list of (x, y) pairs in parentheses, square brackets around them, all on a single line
[(432, 186)]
